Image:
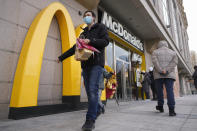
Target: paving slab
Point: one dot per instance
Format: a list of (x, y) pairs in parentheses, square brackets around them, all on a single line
[(129, 116)]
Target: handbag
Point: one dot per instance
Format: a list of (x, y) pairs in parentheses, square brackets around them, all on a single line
[(83, 51)]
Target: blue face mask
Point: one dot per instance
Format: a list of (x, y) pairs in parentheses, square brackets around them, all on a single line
[(87, 20)]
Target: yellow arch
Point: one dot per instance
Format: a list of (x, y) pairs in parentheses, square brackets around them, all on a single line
[(79, 29), (27, 76)]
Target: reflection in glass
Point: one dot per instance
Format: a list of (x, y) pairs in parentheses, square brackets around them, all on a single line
[(109, 54), (122, 53), (119, 58), (124, 90), (119, 74)]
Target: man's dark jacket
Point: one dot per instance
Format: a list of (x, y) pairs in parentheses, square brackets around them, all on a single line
[(99, 39)]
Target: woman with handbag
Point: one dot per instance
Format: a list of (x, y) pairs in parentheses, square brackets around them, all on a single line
[(95, 35)]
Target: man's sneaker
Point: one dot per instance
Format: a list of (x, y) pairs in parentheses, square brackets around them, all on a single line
[(172, 113), (160, 108), (88, 125)]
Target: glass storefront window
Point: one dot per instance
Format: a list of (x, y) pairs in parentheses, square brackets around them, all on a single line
[(122, 69), (165, 12), (121, 53), (121, 59), (110, 54)]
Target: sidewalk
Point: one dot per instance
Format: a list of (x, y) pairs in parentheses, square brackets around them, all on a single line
[(130, 116)]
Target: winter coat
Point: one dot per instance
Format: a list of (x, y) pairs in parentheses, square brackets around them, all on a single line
[(164, 58), (99, 39), (138, 78), (146, 81), (194, 76)]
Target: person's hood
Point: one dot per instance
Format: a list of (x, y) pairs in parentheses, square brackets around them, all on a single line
[(162, 44)]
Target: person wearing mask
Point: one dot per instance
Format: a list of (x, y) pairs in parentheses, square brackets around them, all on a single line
[(153, 88), (165, 60), (95, 34)]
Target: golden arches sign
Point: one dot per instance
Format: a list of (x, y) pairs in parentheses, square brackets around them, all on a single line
[(27, 76)]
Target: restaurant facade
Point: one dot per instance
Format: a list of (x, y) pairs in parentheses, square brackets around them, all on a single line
[(34, 33)]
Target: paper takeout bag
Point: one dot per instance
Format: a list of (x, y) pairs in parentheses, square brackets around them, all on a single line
[(82, 54)]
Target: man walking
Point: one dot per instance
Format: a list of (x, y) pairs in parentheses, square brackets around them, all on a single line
[(165, 61), (96, 35)]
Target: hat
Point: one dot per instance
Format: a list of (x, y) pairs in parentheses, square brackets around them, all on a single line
[(151, 68)]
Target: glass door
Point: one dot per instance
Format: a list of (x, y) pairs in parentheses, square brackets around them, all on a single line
[(124, 90), (118, 58), (110, 55), (120, 78)]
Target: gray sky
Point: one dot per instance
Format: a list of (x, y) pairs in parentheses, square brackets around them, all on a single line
[(191, 13)]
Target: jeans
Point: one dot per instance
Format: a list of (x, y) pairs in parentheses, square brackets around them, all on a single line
[(100, 104), (154, 91), (91, 78), (169, 89)]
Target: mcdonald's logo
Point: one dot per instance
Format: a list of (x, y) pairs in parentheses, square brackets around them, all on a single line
[(27, 76)]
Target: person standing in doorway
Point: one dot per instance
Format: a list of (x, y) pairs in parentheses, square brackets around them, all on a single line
[(165, 60), (95, 34), (152, 85), (137, 81), (145, 84)]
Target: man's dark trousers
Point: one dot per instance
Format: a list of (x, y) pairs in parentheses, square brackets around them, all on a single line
[(91, 76), (169, 89), (154, 90)]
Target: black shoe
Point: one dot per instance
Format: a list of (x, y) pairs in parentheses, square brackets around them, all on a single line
[(160, 108), (88, 125), (172, 113)]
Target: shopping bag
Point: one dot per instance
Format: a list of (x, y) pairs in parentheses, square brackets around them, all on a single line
[(83, 51), (82, 54)]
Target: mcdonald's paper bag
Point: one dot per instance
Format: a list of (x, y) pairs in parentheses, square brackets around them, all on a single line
[(82, 54)]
